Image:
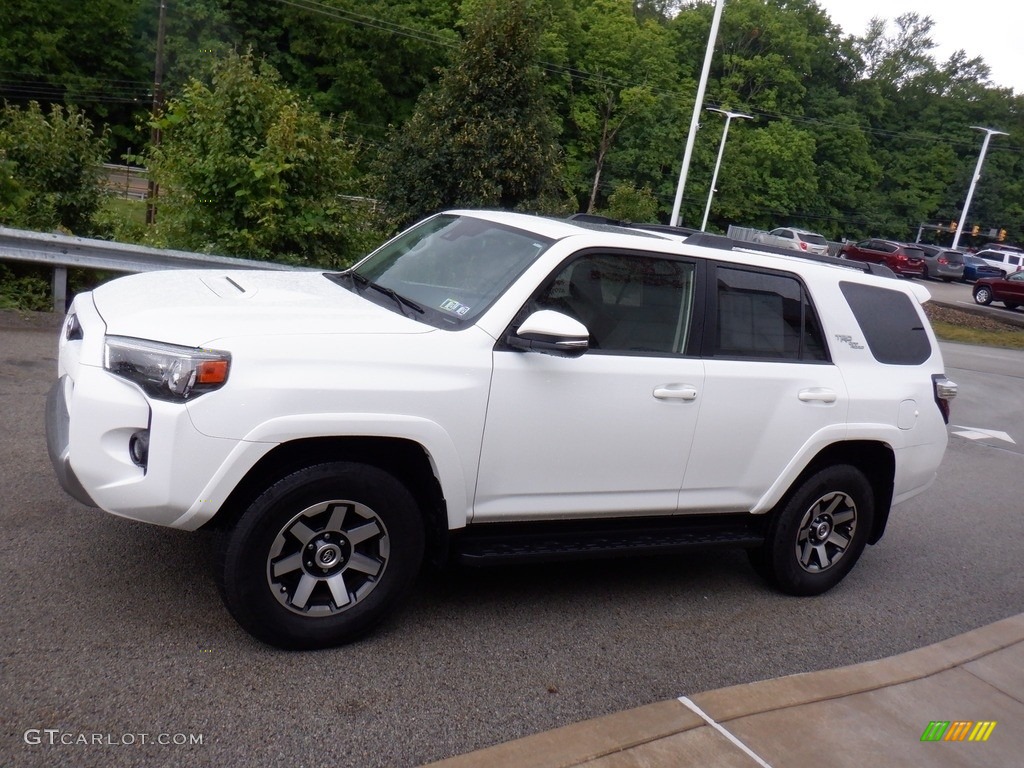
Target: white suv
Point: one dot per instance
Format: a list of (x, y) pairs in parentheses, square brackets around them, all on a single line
[(1007, 261), (494, 386)]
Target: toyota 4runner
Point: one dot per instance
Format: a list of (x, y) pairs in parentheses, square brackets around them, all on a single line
[(490, 387)]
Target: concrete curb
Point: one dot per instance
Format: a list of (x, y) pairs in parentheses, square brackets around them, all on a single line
[(974, 309), (986, 664)]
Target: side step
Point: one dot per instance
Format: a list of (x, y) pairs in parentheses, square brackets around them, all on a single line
[(498, 543)]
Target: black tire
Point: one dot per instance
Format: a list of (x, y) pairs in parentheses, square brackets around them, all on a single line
[(1010, 304), (322, 556), (818, 532), (983, 294)]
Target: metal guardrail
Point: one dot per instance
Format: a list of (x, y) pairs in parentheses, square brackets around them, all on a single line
[(63, 251)]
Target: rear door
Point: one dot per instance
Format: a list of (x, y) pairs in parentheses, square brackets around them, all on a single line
[(770, 388)]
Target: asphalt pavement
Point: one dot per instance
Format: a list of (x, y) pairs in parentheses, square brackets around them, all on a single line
[(112, 632)]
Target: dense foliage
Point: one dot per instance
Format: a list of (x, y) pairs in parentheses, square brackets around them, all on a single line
[(49, 168), (853, 135), (483, 136), (247, 169)]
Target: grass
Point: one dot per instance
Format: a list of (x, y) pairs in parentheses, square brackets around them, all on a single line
[(971, 328)]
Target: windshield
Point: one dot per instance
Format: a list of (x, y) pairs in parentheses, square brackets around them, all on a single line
[(452, 267)]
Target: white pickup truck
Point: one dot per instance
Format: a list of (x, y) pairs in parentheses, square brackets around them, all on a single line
[(492, 386)]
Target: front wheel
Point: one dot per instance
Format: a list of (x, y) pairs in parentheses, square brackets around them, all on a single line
[(818, 533), (983, 295), (322, 556)]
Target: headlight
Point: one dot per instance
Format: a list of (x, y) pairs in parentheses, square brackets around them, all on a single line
[(166, 371)]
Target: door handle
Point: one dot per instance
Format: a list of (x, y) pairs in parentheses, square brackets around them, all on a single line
[(817, 395), (676, 392)]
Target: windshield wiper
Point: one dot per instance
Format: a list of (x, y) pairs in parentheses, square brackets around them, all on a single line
[(398, 298)]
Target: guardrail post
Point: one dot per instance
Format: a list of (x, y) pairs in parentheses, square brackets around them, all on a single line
[(60, 289)]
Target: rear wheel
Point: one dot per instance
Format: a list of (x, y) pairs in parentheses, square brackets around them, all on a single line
[(1011, 304), (322, 556), (983, 294), (818, 533)]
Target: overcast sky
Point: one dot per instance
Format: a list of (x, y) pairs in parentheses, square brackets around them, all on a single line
[(991, 29)]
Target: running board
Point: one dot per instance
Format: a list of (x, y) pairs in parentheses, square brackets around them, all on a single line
[(497, 543)]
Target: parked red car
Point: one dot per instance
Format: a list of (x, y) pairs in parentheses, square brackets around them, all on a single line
[(904, 260), (1009, 290)]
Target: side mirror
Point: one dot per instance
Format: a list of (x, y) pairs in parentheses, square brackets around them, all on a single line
[(551, 333)]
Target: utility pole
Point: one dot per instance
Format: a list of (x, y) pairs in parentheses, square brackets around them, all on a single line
[(697, 106), (718, 163), (158, 104), (989, 132)]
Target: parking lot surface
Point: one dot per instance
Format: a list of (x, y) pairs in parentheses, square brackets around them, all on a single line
[(113, 631)]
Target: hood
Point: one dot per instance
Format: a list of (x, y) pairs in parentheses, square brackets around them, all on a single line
[(196, 307)]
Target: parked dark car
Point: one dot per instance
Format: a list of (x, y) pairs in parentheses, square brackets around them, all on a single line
[(1009, 290), (975, 268), (904, 260), (942, 263)]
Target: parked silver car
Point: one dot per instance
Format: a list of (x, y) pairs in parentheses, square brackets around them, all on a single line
[(942, 263), (797, 239)]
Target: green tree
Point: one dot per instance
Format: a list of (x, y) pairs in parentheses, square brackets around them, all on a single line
[(51, 165), (483, 136), (76, 53), (249, 169), (624, 74), (628, 203)]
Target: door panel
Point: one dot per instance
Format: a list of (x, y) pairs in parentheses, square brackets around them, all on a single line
[(608, 432)]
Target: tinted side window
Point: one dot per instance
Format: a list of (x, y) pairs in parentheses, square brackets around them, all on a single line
[(765, 315), (892, 327), (628, 303)]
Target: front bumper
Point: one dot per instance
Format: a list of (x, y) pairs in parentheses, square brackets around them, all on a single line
[(91, 417), (58, 423)]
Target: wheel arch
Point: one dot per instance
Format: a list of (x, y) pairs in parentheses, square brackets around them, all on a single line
[(874, 459), (405, 459)]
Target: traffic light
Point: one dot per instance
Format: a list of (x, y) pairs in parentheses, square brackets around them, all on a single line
[(975, 230), (952, 226), (1002, 235)]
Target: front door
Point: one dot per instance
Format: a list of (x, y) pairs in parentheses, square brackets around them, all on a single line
[(608, 432)]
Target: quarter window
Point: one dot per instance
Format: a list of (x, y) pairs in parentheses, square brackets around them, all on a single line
[(765, 315), (891, 324)]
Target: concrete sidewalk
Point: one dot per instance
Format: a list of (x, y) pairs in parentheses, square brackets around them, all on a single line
[(871, 714)]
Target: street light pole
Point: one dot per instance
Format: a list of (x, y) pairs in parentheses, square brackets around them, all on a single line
[(718, 163), (697, 106), (989, 132)]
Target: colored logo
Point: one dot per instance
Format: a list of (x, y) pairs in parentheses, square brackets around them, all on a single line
[(958, 730)]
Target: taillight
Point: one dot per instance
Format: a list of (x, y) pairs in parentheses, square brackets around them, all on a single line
[(942, 260), (945, 390), (803, 246)]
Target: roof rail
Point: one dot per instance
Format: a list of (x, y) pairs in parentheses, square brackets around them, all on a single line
[(721, 242), (668, 229), (708, 240)]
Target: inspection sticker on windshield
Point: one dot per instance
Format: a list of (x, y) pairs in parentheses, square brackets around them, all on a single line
[(453, 306)]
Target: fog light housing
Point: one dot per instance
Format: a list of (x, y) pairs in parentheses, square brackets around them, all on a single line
[(138, 448)]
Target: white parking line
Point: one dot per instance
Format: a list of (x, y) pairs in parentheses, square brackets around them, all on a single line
[(977, 433), (685, 701)]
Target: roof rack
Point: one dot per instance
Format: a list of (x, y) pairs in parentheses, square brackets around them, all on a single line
[(723, 243), (668, 229)]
